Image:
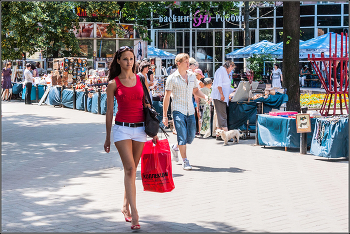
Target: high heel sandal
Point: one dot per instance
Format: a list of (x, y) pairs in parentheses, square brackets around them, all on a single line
[(134, 227), (127, 219)]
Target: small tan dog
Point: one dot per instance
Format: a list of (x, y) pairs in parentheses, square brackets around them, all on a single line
[(226, 136)]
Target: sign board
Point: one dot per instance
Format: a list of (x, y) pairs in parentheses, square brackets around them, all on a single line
[(303, 123)]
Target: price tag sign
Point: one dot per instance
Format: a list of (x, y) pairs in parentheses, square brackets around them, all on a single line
[(303, 123)]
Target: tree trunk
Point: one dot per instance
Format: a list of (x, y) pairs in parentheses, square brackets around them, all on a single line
[(291, 36), (246, 30), (246, 24)]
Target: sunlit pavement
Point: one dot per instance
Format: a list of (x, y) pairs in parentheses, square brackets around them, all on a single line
[(56, 177)]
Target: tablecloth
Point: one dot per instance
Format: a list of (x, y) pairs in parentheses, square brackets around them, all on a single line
[(54, 96), (67, 98), (17, 88), (280, 131), (334, 143), (33, 93), (239, 112)]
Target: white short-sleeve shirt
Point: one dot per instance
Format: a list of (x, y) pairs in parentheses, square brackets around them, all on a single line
[(182, 92)]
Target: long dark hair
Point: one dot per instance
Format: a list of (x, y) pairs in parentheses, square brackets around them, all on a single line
[(114, 68)]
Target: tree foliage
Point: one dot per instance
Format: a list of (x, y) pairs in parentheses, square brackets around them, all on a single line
[(34, 26), (256, 64)]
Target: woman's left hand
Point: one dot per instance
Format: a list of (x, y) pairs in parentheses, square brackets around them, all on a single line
[(155, 139)]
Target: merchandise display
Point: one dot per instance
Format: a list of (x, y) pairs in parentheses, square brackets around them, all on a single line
[(68, 71)]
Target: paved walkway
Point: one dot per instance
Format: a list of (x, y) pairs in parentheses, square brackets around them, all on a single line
[(57, 178)]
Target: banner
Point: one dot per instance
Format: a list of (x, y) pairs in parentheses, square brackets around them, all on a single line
[(101, 31), (84, 30), (129, 31)]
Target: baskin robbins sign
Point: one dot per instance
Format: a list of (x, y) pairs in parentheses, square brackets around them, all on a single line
[(199, 19)]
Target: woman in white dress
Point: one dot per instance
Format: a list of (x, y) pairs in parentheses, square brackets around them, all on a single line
[(276, 77)]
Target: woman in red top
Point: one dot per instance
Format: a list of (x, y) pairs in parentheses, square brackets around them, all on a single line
[(128, 132)]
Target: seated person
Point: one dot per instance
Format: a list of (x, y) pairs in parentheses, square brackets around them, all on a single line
[(303, 72)]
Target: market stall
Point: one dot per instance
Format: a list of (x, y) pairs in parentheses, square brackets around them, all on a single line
[(280, 131), (330, 137)]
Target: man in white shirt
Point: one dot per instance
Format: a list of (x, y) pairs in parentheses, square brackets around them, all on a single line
[(182, 84), (221, 91), (28, 80)]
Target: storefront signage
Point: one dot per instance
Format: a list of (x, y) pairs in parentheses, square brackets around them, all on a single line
[(199, 19)]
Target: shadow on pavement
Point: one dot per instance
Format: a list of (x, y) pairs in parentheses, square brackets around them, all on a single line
[(213, 169)]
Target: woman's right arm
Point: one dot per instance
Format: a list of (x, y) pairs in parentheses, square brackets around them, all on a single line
[(109, 113)]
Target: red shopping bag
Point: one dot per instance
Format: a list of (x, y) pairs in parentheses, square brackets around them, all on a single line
[(156, 169)]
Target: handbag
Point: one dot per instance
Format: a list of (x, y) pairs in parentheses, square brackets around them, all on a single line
[(151, 120), (156, 170)]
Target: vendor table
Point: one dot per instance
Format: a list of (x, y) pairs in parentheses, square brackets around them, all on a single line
[(67, 98), (33, 93), (333, 142), (17, 88), (54, 96), (239, 112), (280, 131)]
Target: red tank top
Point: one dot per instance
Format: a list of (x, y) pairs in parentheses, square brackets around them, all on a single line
[(130, 102)]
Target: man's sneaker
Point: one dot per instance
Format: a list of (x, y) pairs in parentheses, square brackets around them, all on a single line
[(186, 165), (174, 153)]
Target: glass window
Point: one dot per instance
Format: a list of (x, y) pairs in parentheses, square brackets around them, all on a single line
[(279, 22), (266, 34), (227, 50), (217, 65), (214, 24), (179, 37), (193, 38), (218, 54), (346, 20), (177, 12), (328, 21), (208, 67), (87, 48), (181, 25), (279, 11), (228, 38), (204, 38), (307, 10), (166, 40), (346, 8), (279, 36), (218, 38), (232, 24), (187, 50), (107, 47), (252, 12), (307, 21), (238, 38), (179, 50), (337, 30), (204, 54), (329, 9), (187, 38), (252, 36), (266, 23), (252, 23), (266, 12), (306, 33)]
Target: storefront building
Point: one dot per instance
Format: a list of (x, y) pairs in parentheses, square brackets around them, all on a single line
[(209, 39)]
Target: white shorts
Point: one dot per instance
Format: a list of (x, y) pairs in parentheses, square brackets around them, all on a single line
[(124, 133)]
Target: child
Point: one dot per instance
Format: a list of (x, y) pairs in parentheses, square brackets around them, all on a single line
[(204, 108)]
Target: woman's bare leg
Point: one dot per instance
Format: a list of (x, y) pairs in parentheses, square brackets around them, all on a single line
[(130, 153)]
